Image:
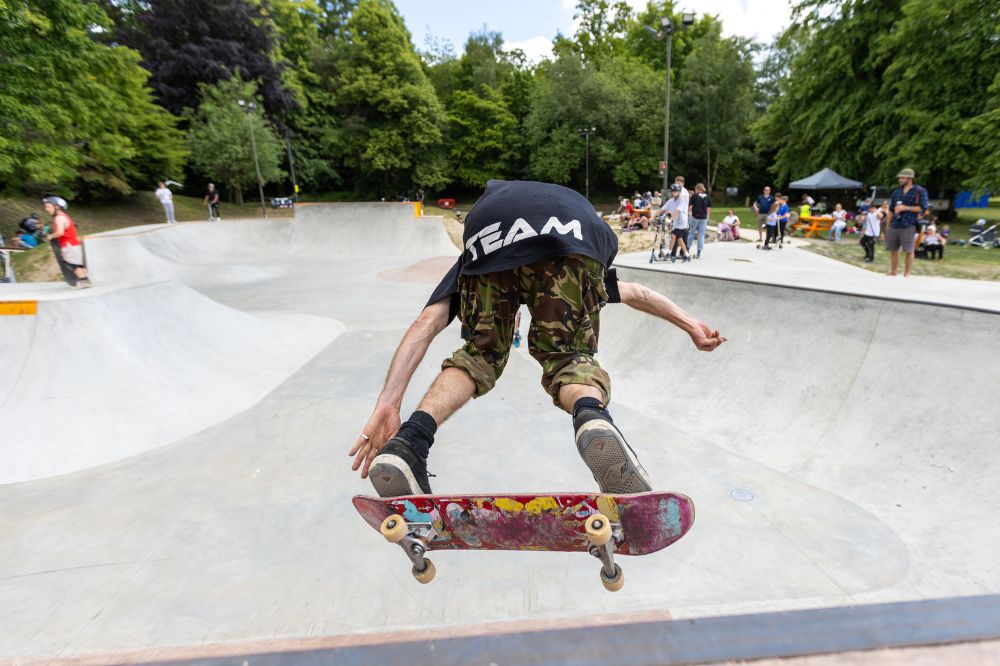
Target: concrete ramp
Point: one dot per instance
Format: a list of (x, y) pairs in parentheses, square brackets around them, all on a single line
[(242, 251), (841, 449), (93, 379)]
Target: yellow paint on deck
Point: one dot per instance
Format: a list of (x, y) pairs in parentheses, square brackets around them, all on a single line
[(509, 505), (539, 504), (609, 508), (18, 308)]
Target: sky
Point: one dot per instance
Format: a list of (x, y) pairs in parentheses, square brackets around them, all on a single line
[(531, 24)]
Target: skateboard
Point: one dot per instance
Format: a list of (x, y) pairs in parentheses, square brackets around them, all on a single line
[(602, 525)]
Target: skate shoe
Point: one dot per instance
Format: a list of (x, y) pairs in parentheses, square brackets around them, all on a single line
[(611, 460), (398, 470)]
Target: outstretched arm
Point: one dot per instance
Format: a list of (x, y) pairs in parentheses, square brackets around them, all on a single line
[(652, 302), (384, 421)]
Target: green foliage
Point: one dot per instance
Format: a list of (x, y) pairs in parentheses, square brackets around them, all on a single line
[(984, 130), (75, 114), (480, 145), (866, 100), (624, 102), (220, 137), (390, 132), (713, 110)]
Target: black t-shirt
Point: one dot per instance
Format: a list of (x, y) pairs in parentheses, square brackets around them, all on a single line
[(516, 223), (700, 203), (212, 196)]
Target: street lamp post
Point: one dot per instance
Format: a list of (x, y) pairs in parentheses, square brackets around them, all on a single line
[(291, 165), (585, 133), (250, 108), (667, 31)]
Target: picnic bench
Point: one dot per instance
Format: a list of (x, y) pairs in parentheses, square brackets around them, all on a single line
[(813, 224)]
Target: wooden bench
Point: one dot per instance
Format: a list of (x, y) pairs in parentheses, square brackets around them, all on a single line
[(812, 224)]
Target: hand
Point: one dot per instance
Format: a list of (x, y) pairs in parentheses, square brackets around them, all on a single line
[(900, 208), (382, 424), (705, 339)]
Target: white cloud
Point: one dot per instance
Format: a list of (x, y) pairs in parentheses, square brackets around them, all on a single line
[(535, 49), (761, 19)]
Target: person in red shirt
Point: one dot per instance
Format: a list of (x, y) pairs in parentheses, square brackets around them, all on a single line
[(66, 243)]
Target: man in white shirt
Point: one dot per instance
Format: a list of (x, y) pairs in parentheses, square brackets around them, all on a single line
[(677, 208), (166, 198)]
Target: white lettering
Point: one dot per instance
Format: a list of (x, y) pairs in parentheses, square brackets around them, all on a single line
[(519, 231), (470, 246), (554, 223), (490, 238)]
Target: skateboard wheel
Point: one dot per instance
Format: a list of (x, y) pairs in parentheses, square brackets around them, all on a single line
[(427, 575), (615, 583), (393, 528), (598, 529)]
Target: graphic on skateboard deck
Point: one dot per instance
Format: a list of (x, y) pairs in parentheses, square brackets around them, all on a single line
[(601, 525)]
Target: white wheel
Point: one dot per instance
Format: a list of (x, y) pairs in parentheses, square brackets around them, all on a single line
[(427, 575), (598, 529), (393, 528), (613, 584)]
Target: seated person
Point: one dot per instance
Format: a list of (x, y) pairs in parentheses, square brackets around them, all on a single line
[(933, 242), (729, 228)]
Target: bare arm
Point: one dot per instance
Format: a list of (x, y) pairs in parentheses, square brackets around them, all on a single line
[(652, 302), (384, 421), (58, 228)]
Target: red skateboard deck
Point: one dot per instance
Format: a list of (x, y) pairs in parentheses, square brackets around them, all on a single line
[(640, 524)]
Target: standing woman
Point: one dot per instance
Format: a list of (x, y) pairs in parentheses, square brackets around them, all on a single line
[(66, 244)]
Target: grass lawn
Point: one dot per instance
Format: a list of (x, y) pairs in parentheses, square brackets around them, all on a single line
[(38, 265)]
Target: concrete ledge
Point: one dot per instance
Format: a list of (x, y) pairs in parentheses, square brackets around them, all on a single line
[(655, 643)]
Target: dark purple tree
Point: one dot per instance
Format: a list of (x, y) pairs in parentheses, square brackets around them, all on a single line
[(187, 42)]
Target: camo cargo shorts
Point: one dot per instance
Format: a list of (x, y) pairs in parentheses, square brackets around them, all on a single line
[(564, 296)]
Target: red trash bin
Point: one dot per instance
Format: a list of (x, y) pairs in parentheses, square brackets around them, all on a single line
[(446, 203)]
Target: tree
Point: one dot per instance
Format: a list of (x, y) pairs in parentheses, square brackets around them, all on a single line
[(624, 102), (220, 141), (984, 133), (481, 133), (390, 133), (185, 43), (714, 110), (75, 114)]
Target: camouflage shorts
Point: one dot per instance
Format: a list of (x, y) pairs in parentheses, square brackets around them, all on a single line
[(564, 296)]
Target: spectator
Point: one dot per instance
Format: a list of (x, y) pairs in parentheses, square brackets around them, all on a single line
[(420, 196), (945, 233), (908, 202), (839, 223), (684, 199), (771, 225), (212, 201), (729, 228), (783, 213), (871, 229), (166, 198), (933, 242), (701, 209), (805, 210), (28, 233), (761, 207), (656, 201), (678, 214), (66, 244)]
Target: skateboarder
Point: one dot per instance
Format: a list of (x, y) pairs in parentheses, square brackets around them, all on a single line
[(212, 201), (66, 244), (544, 246)]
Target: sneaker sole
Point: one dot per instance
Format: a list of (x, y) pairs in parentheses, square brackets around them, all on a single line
[(614, 466), (392, 477)]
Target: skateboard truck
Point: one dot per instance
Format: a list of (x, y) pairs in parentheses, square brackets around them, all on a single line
[(604, 536), (413, 539)]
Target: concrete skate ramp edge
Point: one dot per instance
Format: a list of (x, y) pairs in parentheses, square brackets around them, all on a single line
[(232, 252), (92, 380), (864, 424)]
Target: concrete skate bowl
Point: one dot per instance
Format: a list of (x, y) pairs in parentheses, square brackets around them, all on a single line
[(121, 371), (241, 251), (821, 479), (839, 448)]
